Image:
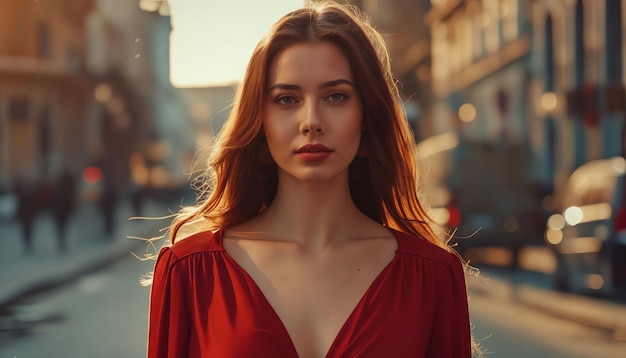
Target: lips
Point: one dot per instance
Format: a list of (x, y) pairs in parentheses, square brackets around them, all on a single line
[(313, 148), (313, 152)]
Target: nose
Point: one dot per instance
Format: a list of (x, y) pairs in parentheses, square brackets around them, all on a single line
[(311, 121)]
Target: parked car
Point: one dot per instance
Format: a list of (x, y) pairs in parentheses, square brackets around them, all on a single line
[(480, 194), (588, 230)]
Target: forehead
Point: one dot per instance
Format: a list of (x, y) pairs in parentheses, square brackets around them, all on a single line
[(309, 62)]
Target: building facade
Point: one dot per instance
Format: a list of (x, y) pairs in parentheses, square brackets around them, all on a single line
[(76, 88), (122, 56), (579, 63), (407, 35), (547, 74), (44, 85), (533, 90)]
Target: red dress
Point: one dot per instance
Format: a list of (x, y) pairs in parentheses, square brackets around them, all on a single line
[(203, 304)]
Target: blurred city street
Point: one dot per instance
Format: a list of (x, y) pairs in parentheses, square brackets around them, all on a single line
[(89, 249), (517, 109)]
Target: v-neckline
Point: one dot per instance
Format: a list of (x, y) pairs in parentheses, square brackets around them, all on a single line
[(375, 282)]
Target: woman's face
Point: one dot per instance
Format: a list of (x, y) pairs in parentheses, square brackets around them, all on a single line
[(313, 113)]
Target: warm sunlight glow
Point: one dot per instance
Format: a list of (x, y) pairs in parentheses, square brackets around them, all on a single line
[(211, 41), (436, 144)]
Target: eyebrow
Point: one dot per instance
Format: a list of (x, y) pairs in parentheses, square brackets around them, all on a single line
[(321, 86)]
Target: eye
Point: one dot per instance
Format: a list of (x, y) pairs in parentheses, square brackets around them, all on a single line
[(336, 97), (286, 100)]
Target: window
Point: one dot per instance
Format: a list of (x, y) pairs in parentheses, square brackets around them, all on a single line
[(509, 15), (478, 38), (491, 25), (613, 41), (579, 48)]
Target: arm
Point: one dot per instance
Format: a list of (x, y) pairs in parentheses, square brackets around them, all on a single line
[(451, 336), (168, 333)]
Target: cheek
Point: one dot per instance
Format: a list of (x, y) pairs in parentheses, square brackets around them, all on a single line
[(276, 136), (355, 127)]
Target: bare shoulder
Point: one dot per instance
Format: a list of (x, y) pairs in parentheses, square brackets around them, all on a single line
[(244, 231), (192, 228)]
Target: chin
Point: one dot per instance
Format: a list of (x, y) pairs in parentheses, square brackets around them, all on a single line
[(316, 174)]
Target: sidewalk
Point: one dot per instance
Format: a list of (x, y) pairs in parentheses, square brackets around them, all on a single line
[(534, 291), (88, 248)]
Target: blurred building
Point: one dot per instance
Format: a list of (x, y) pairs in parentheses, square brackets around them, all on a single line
[(577, 83), (532, 89), (44, 85), (407, 34), (482, 70), (544, 75), (122, 55), (77, 87), (185, 119)]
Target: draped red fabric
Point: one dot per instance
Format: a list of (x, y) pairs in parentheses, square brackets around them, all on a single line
[(203, 304)]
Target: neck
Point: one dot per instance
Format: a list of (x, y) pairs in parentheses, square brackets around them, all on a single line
[(314, 214)]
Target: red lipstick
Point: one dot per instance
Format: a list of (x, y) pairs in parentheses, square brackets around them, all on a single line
[(313, 152)]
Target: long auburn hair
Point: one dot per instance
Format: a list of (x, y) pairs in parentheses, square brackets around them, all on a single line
[(238, 185)]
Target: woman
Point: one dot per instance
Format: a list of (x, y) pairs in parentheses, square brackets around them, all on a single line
[(309, 240)]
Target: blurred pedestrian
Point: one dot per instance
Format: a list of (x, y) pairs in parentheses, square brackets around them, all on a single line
[(311, 241), (27, 192), (45, 192), (138, 194), (63, 205), (107, 203)]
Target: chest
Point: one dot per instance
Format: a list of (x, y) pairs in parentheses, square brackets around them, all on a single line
[(234, 318), (313, 296)]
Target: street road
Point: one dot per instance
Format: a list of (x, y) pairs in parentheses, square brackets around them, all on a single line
[(509, 330), (105, 315), (101, 315)]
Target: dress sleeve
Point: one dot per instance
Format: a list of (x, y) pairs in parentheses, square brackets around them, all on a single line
[(168, 332), (451, 336)]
